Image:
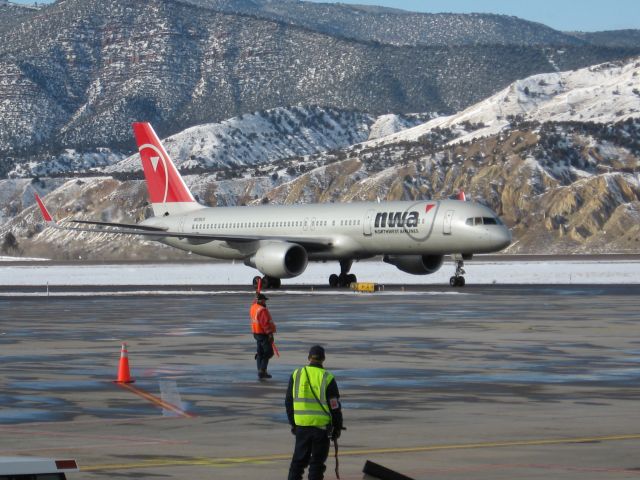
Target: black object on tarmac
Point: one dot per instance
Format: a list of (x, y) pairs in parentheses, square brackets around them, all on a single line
[(378, 472)]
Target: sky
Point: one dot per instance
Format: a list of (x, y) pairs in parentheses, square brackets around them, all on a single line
[(565, 15)]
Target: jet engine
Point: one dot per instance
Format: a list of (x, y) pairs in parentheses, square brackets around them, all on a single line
[(416, 264), (280, 260)]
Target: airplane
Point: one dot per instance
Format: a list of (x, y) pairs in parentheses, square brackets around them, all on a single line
[(280, 240)]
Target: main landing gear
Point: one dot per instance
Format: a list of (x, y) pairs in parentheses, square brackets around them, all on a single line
[(458, 280), (267, 282), (345, 278)]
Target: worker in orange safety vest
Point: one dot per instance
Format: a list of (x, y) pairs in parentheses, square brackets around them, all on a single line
[(263, 328)]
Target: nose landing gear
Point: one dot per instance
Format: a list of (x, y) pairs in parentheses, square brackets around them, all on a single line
[(458, 280)]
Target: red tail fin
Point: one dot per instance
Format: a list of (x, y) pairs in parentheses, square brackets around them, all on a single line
[(164, 183)]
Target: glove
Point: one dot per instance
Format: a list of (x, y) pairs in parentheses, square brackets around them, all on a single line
[(335, 433), (293, 429)]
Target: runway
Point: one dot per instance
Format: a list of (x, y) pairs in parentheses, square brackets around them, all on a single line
[(487, 382)]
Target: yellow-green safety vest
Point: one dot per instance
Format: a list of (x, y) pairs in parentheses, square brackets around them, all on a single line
[(307, 412)]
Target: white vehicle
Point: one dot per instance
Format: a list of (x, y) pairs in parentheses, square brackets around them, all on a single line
[(34, 468), (279, 240)]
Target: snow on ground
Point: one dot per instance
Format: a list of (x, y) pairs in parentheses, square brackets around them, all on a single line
[(21, 259), (478, 272)]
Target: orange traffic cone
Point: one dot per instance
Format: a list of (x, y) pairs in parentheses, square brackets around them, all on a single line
[(123, 371)]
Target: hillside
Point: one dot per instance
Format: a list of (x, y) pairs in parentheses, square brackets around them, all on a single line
[(12, 14), (76, 73), (255, 139), (271, 136), (563, 172), (611, 38), (606, 93), (399, 27)]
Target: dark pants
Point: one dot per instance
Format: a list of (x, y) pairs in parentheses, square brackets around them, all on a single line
[(265, 351), (312, 448)]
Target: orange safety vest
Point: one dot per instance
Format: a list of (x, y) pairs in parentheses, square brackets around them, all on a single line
[(254, 313)]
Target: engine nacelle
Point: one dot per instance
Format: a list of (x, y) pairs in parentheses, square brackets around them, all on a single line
[(280, 260), (416, 264)]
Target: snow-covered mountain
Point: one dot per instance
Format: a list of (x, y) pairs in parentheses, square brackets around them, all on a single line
[(260, 138), (606, 93), (273, 135), (557, 156), (76, 73), (399, 27)]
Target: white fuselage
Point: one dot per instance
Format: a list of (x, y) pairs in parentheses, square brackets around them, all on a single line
[(356, 230)]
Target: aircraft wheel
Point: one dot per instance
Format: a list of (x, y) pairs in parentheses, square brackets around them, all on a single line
[(270, 282), (351, 278), (461, 282), (333, 280), (453, 281), (343, 280), (256, 280)]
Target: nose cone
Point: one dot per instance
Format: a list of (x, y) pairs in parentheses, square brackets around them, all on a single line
[(502, 238)]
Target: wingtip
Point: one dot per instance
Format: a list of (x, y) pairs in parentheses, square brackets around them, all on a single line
[(43, 210)]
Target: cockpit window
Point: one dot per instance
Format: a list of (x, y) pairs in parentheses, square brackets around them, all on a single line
[(483, 221)]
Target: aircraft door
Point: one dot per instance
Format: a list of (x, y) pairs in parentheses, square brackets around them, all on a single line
[(366, 226), (446, 227), (181, 224)]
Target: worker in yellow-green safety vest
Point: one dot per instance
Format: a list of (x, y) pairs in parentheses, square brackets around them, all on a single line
[(315, 415)]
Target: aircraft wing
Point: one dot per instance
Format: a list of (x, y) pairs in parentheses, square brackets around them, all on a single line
[(310, 243)]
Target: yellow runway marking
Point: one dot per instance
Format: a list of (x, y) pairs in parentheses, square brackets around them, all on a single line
[(231, 461), (155, 400)]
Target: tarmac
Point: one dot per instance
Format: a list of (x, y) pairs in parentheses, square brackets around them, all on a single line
[(485, 382)]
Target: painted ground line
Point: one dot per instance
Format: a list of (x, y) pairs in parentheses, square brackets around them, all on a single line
[(155, 400), (230, 461)]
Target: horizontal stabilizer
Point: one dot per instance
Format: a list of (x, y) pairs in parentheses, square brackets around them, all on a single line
[(43, 210)]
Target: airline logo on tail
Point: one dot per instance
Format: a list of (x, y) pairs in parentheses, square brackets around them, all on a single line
[(163, 180)]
